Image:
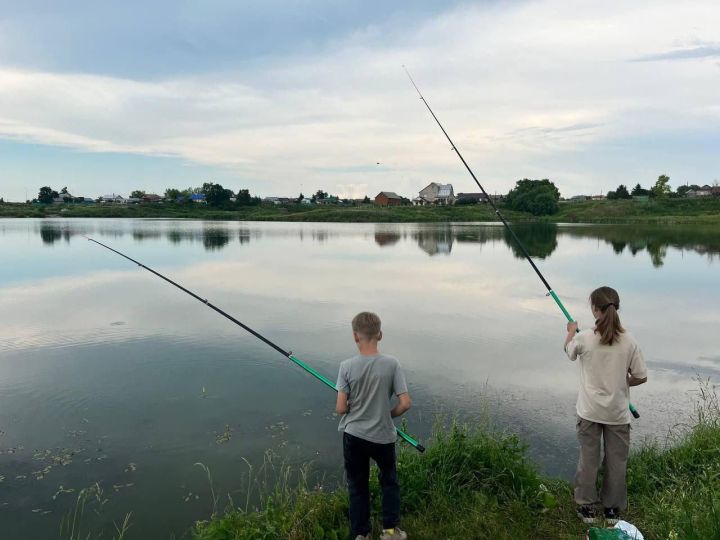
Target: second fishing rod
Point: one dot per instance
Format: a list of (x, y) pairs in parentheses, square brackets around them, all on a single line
[(489, 199)]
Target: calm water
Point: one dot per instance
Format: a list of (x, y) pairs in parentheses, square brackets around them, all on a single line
[(109, 375)]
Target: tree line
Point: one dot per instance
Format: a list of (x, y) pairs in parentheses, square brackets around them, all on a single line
[(541, 197), (215, 195)]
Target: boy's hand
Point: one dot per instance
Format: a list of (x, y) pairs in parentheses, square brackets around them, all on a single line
[(342, 405), (572, 327), (403, 405)]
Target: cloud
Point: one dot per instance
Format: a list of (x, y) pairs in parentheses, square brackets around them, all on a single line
[(682, 54), (526, 89)]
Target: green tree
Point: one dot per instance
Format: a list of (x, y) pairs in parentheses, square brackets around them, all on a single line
[(639, 191), (300, 198), (539, 197), (612, 195), (137, 194), (172, 193), (366, 200), (243, 198), (46, 195), (320, 195), (215, 194), (662, 187), (622, 192)]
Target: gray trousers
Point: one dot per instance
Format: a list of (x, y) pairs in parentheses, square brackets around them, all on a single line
[(616, 440)]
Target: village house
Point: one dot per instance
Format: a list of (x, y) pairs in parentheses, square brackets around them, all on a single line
[(331, 199), (198, 198), (388, 198), (151, 198), (62, 198), (112, 199), (435, 193), (705, 191), (470, 198)]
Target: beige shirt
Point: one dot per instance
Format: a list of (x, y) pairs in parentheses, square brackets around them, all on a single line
[(604, 393)]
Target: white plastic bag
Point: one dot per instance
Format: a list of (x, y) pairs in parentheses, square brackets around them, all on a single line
[(629, 529)]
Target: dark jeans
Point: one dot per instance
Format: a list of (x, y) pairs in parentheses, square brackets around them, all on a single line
[(357, 453)]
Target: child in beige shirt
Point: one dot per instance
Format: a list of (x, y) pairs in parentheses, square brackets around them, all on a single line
[(610, 363)]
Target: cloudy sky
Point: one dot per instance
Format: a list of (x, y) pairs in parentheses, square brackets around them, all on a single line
[(283, 96)]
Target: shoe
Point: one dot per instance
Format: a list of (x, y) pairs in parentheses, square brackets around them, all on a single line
[(612, 515), (586, 513), (362, 537), (393, 534)]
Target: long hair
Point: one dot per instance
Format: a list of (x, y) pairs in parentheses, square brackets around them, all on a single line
[(607, 301)]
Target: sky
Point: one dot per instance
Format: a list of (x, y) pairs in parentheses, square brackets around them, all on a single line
[(295, 96)]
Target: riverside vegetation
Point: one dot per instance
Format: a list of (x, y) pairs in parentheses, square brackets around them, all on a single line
[(479, 483), (667, 210)]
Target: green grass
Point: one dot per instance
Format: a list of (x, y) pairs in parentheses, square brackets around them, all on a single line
[(629, 211), (701, 211), (355, 214), (479, 483)]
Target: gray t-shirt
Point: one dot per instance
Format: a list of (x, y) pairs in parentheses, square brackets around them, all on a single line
[(370, 382)]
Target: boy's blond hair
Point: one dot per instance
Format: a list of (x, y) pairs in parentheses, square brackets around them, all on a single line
[(367, 325)]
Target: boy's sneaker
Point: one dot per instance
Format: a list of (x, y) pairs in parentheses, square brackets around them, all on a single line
[(612, 515), (393, 534), (586, 513)]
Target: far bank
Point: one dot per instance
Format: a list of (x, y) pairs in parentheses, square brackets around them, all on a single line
[(670, 211)]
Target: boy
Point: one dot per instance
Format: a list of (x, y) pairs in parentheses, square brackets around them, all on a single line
[(365, 385)]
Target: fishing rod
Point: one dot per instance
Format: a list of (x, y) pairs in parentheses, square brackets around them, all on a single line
[(550, 290), (288, 354)]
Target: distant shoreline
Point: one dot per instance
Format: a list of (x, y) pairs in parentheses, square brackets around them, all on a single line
[(658, 211)]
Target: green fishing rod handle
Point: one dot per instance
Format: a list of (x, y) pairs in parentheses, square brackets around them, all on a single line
[(408, 439), (319, 376), (560, 305), (633, 411)]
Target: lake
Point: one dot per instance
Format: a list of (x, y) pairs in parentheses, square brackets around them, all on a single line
[(111, 377)]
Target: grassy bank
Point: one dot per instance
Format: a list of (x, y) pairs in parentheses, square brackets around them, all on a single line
[(706, 211), (652, 211), (476, 483)]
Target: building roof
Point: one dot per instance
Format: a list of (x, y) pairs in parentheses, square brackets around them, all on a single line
[(197, 197), (390, 195), (473, 196), (446, 190)]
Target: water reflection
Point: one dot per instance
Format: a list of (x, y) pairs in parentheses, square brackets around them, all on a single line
[(435, 240), (215, 238), (387, 238), (655, 239), (540, 239), (50, 234)]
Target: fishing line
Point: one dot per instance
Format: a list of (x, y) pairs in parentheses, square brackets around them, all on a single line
[(288, 354), (550, 290)]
